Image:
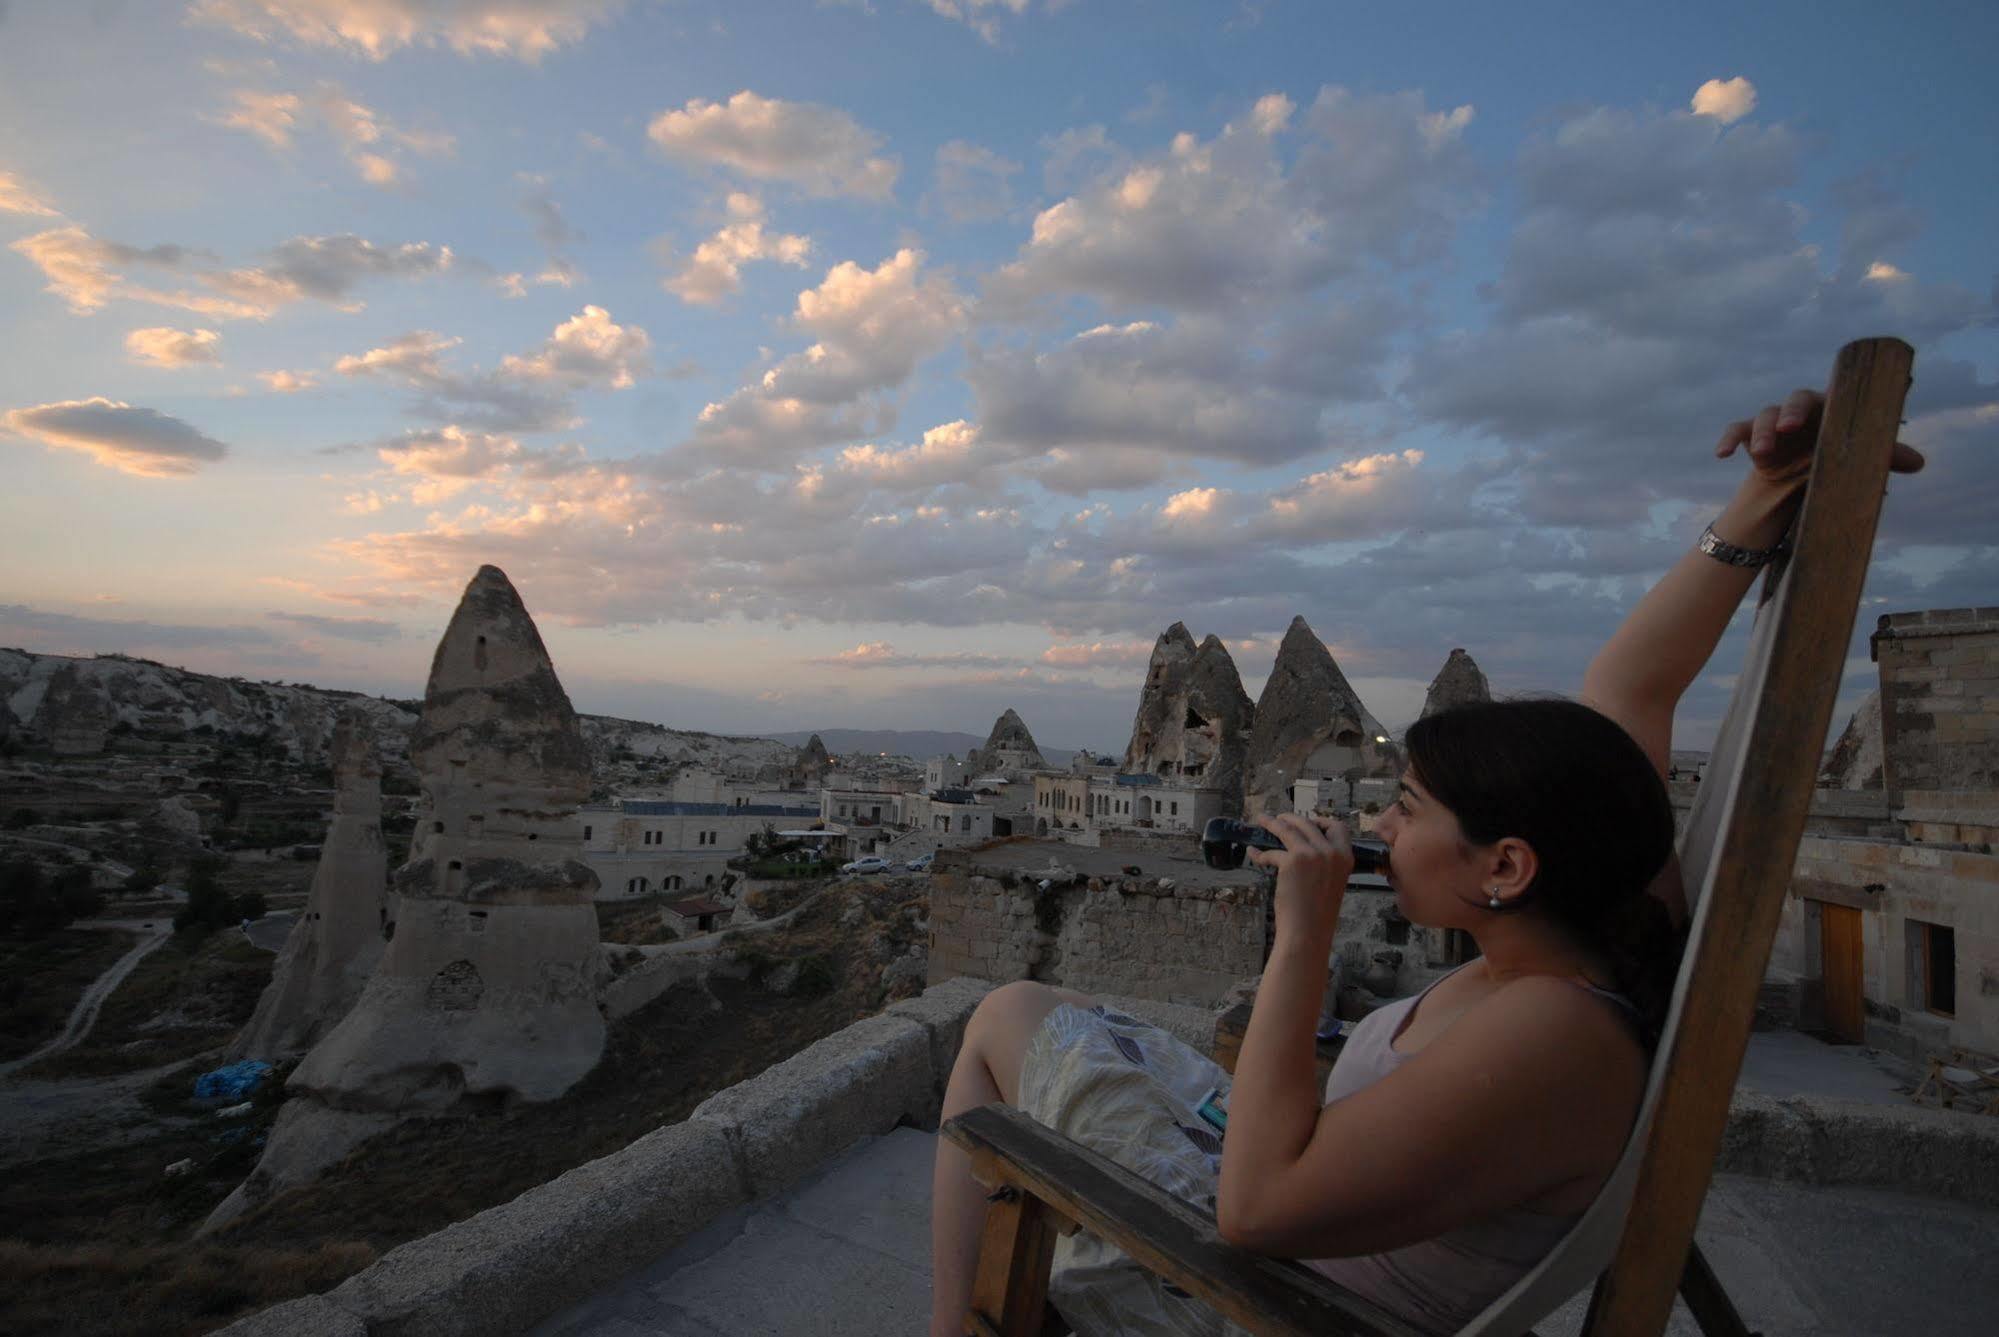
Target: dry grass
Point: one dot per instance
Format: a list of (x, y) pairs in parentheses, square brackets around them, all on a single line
[(185, 999), (42, 978), (93, 1289)]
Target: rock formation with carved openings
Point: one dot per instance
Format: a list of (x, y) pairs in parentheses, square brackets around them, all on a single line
[(486, 992), (1194, 718), (338, 938), (1310, 723), (1458, 683), (1009, 750)]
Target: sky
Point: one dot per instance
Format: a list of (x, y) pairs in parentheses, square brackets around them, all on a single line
[(890, 364)]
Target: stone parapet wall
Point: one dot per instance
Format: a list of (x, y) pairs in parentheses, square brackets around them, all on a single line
[(1144, 937), (1939, 698)]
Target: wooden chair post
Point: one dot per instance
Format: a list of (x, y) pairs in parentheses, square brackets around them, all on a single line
[(1010, 1289), (1753, 840)]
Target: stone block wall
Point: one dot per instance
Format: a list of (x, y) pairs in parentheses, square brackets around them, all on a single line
[(1138, 937), (1939, 698)]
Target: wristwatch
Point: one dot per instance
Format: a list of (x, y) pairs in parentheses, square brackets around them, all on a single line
[(1723, 551)]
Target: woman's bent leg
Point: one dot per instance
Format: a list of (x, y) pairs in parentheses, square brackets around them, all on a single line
[(988, 1069)]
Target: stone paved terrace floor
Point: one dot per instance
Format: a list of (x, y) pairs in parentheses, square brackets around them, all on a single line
[(849, 1251)]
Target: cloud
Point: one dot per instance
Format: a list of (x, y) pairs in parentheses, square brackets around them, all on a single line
[(98, 635), (138, 441), (970, 183), (288, 382), (820, 150), (371, 630), (89, 273), (17, 197), (714, 271), (882, 655), (947, 454), (524, 30), (1657, 283), (527, 393), (415, 355), (872, 327), (271, 117), (163, 346), (1197, 390), (981, 16), (587, 349), (1727, 100), (552, 230), (1098, 654), (1222, 225)]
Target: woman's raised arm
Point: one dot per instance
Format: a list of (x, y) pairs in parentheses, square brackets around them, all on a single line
[(1639, 676)]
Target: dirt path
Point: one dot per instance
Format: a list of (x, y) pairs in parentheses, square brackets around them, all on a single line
[(84, 1015)]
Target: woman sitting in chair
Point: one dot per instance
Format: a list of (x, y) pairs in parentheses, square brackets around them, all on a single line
[(1463, 1131)]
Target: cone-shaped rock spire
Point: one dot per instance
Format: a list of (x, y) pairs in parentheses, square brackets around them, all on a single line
[(1009, 748), (1309, 723), (1458, 683), (1193, 717), (338, 938), (487, 988)]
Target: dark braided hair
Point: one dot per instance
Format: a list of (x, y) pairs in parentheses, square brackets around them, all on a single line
[(1578, 788)]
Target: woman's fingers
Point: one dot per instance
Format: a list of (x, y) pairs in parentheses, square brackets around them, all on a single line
[(1763, 433), (1906, 459), (1732, 436), (1799, 406)]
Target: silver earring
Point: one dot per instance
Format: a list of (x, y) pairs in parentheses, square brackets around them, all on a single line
[(1494, 902)]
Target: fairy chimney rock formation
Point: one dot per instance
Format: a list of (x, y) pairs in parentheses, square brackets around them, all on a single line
[(1310, 723), (1458, 683), (1009, 750), (337, 941), (810, 765), (487, 990), (1856, 758), (1194, 717)]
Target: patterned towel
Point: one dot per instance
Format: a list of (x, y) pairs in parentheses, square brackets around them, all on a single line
[(1128, 1090)]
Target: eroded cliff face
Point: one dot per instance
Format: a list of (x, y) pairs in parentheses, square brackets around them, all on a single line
[(1459, 682), (338, 939), (487, 990), (1194, 718), (1310, 723)]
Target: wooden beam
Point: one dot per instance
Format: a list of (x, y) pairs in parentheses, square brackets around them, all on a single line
[(1164, 1235), (1736, 918)]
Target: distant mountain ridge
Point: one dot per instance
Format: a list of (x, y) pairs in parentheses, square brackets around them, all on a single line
[(921, 744)]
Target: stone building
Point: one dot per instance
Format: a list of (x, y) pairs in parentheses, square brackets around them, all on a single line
[(1061, 804), (1890, 934), (637, 847)]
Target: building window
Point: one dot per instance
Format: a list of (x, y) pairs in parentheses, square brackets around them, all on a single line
[(1175, 806), (964, 821), (1933, 967), (586, 833)]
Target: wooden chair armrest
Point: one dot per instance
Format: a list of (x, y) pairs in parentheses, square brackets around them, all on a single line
[(1161, 1233)]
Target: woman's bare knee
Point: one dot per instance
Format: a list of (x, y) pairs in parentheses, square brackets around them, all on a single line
[(1002, 1026)]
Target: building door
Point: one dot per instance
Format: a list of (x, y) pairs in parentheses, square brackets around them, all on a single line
[(1839, 953)]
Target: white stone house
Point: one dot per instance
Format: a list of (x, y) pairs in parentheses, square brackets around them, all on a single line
[(640, 846), (953, 816), (860, 807), (1150, 803)]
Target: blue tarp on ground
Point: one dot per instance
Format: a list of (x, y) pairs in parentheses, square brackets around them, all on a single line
[(234, 1081)]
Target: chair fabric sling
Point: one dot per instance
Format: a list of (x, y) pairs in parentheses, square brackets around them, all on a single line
[(1736, 854)]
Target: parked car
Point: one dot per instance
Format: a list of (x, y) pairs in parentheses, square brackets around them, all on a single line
[(921, 863), (872, 863)]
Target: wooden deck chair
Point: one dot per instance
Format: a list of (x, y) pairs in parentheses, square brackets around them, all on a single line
[(1736, 854), (1963, 1078)]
